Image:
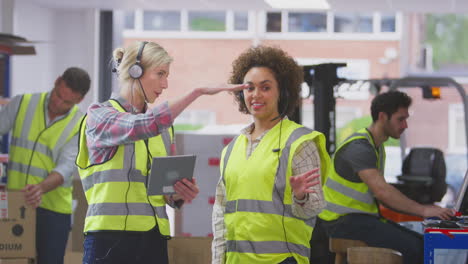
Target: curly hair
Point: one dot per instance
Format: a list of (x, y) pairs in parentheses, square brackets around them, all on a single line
[(389, 103), (287, 72)]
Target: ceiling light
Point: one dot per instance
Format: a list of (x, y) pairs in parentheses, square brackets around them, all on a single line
[(299, 4)]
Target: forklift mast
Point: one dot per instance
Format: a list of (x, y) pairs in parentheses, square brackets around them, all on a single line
[(322, 79)]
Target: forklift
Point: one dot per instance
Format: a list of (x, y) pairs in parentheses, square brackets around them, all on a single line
[(323, 82)]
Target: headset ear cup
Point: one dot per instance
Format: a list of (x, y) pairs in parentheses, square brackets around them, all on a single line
[(135, 71)]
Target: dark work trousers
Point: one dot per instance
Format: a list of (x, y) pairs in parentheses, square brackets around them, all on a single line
[(52, 231), (319, 245), (377, 232), (289, 260), (115, 247)]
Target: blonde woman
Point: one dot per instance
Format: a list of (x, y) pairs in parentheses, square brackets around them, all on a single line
[(118, 139)]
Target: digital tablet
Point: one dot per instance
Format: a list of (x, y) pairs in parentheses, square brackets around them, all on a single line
[(166, 171)]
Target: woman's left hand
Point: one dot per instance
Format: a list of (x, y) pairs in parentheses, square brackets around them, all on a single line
[(301, 183), (186, 190)]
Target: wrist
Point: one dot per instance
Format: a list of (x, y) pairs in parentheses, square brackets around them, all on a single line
[(40, 187), (301, 198), (176, 201), (197, 92)]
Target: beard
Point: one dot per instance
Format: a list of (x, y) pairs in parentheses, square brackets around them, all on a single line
[(392, 132)]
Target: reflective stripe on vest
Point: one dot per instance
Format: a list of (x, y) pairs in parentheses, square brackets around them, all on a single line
[(344, 197), (275, 209), (36, 147), (266, 247), (115, 189)]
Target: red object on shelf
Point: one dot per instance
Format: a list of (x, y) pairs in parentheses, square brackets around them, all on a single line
[(213, 161), (227, 140), (186, 234), (210, 235), (447, 231), (397, 217)]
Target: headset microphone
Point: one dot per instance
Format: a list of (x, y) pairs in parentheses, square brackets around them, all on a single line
[(143, 90)]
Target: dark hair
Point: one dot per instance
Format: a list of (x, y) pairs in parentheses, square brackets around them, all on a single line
[(389, 103), (287, 72), (77, 79)]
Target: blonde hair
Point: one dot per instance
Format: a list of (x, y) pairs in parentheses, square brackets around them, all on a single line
[(153, 55)]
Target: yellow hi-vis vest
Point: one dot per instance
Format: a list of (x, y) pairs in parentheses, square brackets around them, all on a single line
[(116, 189), (35, 148), (343, 196), (261, 227)]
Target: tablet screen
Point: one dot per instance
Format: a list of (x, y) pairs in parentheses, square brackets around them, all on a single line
[(166, 171)]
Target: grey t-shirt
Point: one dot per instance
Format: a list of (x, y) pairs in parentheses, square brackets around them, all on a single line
[(355, 156)]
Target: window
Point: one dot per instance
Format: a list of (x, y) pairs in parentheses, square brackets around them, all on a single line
[(129, 20), (207, 21), (161, 20), (457, 139), (353, 23), (387, 23), (273, 22), (307, 22), (241, 21)]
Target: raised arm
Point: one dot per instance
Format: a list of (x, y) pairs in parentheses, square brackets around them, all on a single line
[(176, 106)]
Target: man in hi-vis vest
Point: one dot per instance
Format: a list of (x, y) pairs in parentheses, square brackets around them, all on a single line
[(43, 148), (355, 185)]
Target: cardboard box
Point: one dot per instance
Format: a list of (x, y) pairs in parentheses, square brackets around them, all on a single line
[(72, 257), (79, 215), (193, 250), (16, 261), (17, 226)]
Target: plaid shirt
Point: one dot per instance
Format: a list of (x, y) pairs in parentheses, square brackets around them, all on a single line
[(107, 128), (305, 159)]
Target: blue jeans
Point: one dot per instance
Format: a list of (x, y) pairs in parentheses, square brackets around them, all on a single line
[(115, 247), (52, 231), (289, 260)]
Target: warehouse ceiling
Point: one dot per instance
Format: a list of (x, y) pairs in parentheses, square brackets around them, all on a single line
[(418, 6)]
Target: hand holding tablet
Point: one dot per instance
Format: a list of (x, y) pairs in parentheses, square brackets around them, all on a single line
[(166, 171)]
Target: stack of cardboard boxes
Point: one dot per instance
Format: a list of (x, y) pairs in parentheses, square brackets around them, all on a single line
[(74, 252), (17, 229)]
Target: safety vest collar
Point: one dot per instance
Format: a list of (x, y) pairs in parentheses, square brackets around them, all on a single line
[(35, 106), (31, 111), (379, 151)]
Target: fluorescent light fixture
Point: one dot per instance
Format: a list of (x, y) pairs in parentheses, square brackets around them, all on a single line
[(299, 4)]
